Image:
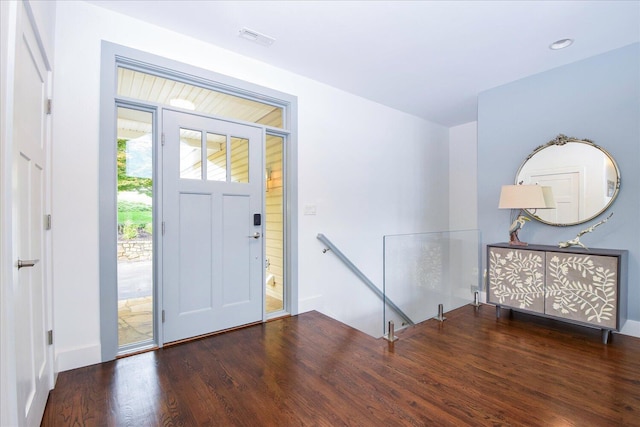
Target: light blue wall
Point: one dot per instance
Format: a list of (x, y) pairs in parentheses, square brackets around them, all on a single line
[(598, 99)]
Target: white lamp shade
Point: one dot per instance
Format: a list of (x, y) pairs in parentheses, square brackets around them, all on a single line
[(526, 197)]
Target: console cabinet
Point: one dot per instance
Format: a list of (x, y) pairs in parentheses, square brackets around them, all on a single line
[(586, 287)]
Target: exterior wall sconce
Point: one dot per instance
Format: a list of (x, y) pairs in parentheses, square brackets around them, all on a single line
[(267, 176)]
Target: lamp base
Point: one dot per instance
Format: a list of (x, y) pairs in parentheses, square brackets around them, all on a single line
[(514, 240)]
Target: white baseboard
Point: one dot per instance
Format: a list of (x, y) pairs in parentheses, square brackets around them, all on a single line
[(77, 357), (309, 304), (631, 328)]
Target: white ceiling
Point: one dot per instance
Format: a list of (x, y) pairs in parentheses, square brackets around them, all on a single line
[(427, 58)]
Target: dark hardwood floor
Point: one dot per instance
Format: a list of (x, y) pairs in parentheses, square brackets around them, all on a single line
[(311, 370)]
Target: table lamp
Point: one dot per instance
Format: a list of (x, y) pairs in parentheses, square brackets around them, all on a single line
[(521, 197)]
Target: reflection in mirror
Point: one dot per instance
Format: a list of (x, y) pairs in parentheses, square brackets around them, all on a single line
[(584, 177)]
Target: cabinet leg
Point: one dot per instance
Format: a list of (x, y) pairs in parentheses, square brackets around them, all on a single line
[(497, 311), (606, 333)]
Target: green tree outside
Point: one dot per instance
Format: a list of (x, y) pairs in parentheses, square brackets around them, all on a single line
[(126, 182), (134, 218)]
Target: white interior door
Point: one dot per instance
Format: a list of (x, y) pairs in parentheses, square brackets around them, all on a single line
[(213, 225), (33, 359), (566, 192)]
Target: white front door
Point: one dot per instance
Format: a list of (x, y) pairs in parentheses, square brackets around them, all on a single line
[(33, 358), (213, 225)]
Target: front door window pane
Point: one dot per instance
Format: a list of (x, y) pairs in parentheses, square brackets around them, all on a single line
[(135, 227), (190, 154), (216, 157), (239, 159)]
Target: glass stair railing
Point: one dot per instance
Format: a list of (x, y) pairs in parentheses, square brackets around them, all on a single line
[(424, 275), (363, 278), (427, 274)]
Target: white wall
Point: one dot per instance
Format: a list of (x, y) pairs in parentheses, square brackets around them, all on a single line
[(463, 177), (368, 169)]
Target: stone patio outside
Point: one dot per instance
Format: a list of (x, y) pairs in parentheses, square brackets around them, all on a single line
[(135, 318)]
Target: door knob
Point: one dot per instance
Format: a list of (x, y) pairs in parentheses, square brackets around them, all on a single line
[(27, 263), (255, 235)]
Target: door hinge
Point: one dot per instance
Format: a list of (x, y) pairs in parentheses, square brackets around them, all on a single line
[(163, 228), (47, 222), (47, 106), (162, 316), (50, 337), (162, 138)]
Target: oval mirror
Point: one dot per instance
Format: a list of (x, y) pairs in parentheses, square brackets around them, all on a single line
[(584, 178)]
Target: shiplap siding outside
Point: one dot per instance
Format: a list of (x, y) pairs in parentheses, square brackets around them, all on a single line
[(274, 216)]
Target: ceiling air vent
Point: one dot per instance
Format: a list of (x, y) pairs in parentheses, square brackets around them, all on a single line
[(256, 37)]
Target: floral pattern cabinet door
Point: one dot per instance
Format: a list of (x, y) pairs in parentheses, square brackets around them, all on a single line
[(516, 278), (587, 287), (582, 287)]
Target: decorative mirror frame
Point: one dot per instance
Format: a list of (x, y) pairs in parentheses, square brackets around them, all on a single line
[(562, 140)]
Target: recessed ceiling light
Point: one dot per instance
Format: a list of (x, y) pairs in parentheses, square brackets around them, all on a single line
[(561, 44), (256, 37), (182, 103)]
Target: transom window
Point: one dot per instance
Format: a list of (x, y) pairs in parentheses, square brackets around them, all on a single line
[(148, 87)]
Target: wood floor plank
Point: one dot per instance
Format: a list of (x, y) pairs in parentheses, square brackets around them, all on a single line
[(472, 369)]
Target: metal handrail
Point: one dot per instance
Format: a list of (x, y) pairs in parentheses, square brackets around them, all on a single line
[(361, 276)]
